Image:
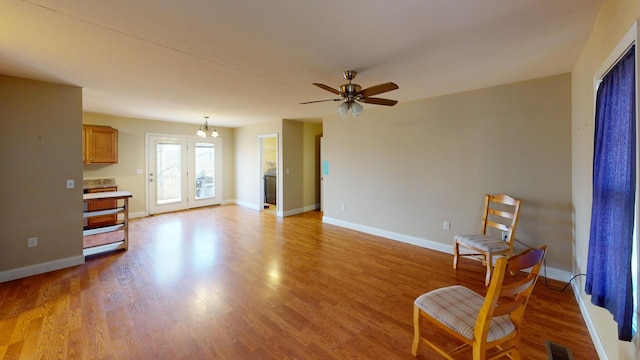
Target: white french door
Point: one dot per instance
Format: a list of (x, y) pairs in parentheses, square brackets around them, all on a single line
[(184, 172)]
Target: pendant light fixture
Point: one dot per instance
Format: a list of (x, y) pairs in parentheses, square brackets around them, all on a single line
[(204, 129)]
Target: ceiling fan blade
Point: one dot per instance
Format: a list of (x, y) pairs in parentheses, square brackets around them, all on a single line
[(328, 88), (317, 101), (379, 101), (378, 89)]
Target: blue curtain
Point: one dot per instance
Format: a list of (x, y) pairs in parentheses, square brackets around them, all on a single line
[(614, 186)]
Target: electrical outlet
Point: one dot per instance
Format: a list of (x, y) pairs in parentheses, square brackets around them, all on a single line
[(343, 207), (32, 242), (446, 225)]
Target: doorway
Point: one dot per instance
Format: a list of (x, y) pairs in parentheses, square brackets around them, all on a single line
[(269, 191), (184, 172)]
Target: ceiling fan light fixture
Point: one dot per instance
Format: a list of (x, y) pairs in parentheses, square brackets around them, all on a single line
[(356, 109), (343, 108), (351, 94)]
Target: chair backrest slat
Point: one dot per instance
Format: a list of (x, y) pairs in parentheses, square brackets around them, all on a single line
[(504, 297), (507, 308), (504, 214), (501, 212), (517, 287), (498, 226), (504, 199)]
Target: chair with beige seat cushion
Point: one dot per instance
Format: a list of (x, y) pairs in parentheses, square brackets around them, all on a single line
[(490, 325), (500, 216)]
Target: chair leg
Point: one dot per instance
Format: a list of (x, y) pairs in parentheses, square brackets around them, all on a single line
[(479, 353), (488, 260), (456, 251), (515, 350), (417, 328)]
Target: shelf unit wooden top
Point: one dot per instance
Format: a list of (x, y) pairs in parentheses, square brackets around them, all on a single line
[(107, 195)]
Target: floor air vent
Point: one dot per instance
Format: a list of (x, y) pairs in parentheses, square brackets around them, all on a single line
[(558, 352)]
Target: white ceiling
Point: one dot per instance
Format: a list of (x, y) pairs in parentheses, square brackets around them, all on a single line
[(248, 61)]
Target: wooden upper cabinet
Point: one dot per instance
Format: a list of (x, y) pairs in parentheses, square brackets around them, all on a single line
[(99, 144)]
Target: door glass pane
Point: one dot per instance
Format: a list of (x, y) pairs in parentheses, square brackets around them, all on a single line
[(205, 170), (168, 168)]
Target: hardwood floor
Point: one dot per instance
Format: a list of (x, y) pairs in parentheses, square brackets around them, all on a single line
[(232, 283)]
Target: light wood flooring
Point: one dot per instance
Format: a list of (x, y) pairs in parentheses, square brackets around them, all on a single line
[(229, 282)]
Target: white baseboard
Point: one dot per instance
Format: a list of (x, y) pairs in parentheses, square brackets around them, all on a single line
[(593, 332), (429, 244), (139, 214), (298, 211), (279, 212), (245, 204), (551, 273), (41, 268), (312, 207)]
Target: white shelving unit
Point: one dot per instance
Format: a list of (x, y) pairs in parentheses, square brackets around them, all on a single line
[(112, 237)]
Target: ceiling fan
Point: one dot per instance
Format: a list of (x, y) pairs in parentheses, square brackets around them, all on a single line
[(352, 94)]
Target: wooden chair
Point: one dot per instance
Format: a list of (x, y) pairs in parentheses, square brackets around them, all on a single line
[(500, 217), (490, 325)]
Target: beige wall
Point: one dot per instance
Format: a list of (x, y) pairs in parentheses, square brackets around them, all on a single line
[(132, 155), (312, 133), (614, 20), (297, 153), (401, 172), (247, 157), (40, 148), (292, 166), (301, 166)]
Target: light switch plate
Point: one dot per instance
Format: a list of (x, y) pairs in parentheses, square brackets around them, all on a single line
[(71, 184)]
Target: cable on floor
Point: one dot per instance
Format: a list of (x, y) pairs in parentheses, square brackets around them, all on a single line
[(544, 263)]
